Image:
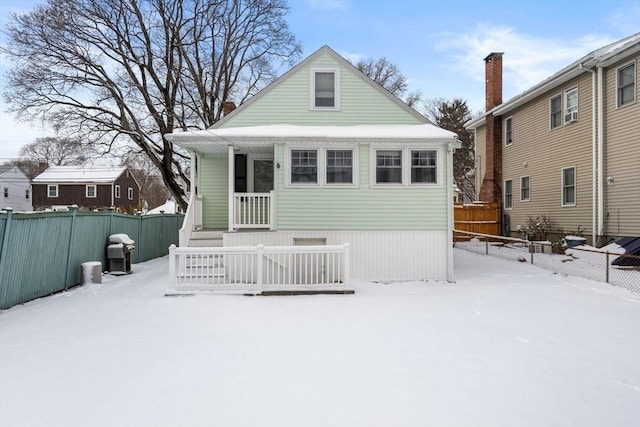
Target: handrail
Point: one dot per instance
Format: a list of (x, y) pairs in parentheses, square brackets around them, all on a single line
[(192, 217)]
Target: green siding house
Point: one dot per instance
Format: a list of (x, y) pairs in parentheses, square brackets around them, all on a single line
[(324, 155)]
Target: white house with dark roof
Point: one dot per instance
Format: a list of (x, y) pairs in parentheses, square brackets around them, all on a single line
[(14, 189)]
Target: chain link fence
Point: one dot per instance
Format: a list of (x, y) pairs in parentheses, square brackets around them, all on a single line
[(611, 266)]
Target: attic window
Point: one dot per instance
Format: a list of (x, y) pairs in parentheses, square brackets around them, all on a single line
[(325, 88)]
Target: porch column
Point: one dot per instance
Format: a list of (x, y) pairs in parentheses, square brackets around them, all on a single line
[(232, 182)]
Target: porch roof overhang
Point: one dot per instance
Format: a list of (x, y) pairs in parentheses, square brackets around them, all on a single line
[(260, 138)]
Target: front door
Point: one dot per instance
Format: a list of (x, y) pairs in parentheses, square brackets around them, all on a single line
[(262, 175)]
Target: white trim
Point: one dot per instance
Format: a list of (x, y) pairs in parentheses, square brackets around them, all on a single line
[(95, 191), (504, 136), (117, 192), (321, 150), (130, 193), (575, 187), (49, 187), (504, 196), (635, 83), (336, 88), (529, 188), (406, 166)]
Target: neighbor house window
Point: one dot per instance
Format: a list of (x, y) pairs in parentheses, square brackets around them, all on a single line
[(423, 167), (569, 186), (525, 191), (6, 191), (117, 191), (508, 131), (91, 191), (555, 112), (508, 194), (626, 84), (130, 193), (304, 166), (389, 167), (52, 191), (339, 166), (325, 92), (571, 105), (26, 193)]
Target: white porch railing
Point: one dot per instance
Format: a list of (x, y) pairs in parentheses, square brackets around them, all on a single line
[(192, 220), (259, 268), (253, 210)]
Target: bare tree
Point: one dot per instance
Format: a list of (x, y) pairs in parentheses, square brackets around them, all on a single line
[(452, 115), (153, 192), (134, 70), (56, 151), (388, 75)]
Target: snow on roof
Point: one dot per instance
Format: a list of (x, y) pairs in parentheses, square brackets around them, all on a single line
[(420, 132), (80, 174), (168, 207)]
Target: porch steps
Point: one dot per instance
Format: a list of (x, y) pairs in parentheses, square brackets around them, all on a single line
[(206, 238)]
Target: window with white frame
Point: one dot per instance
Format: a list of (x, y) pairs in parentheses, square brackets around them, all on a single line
[(26, 193), (508, 194), (626, 84), (388, 166), (52, 190), (304, 166), (569, 186), (6, 191), (424, 166), (130, 193), (90, 191), (555, 111), (325, 92), (525, 189), (339, 167), (571, 105), (508, 131), (117, 192)]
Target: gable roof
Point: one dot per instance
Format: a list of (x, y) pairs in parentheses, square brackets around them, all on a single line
[(80, 174), (5, 168), (601, 57), (324, 50)]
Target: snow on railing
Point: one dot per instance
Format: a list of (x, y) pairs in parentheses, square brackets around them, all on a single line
[(253, 210), (256, 268), (192, 220)]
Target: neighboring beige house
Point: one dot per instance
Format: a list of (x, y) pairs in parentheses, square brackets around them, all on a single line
[(568, 148)]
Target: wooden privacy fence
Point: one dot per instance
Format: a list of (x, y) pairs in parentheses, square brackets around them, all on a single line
[(42, 253), (477, 217)]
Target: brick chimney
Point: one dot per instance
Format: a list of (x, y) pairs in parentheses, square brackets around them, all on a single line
[(227, 107), (491, 188)]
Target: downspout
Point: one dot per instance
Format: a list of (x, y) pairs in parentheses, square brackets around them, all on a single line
[(594, 141), (600, 155)]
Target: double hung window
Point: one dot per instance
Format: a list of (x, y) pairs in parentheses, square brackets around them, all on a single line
[(389, 167), (626, 84), (508, 194), (569, 186), (339, 167)]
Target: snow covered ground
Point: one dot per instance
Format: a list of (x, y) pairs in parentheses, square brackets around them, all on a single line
[(508, 344)]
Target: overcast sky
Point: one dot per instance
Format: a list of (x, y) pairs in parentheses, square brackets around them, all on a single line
[(438, 45)]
